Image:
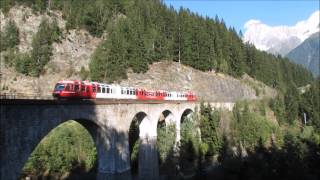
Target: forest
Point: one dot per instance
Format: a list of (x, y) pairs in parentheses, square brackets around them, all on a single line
[(137, 33), (141, 32)]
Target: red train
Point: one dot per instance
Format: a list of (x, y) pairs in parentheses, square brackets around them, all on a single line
[(94, 90)]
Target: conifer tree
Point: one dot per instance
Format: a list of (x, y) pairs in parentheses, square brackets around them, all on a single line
[(10, 37)]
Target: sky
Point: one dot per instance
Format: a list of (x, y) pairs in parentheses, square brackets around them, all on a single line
[(237, 12)]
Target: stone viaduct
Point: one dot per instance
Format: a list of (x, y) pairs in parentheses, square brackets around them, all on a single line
[(24, 123)]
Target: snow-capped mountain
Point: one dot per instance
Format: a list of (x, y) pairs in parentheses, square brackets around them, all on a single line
[(280, 39)]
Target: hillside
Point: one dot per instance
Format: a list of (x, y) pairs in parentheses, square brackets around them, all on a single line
[(133, 35), (76, 48), (68, 57), (307, 54), (139, 43)]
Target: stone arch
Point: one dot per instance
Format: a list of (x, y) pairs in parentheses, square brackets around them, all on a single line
[(134, 135), (166, 141), (167, 117), (143, 121), (185, 114), (91, 126), (24, 127)]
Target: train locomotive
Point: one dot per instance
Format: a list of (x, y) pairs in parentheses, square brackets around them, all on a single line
[(73, 89)]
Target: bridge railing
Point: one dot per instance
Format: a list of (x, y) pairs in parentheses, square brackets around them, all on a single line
[(24, 96)]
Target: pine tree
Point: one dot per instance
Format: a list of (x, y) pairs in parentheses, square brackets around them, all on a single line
[(41, 48), (10, 37)]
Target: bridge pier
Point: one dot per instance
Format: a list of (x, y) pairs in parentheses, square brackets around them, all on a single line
[(113, 155), (148, 159)]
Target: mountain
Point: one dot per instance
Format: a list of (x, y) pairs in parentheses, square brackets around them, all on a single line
[(61, 42), (73, 52), (307, 54), (280, 39)]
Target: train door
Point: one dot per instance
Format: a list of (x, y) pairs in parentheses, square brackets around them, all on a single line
[(83, 93), (88, 91), (76, 89), (94, 91)]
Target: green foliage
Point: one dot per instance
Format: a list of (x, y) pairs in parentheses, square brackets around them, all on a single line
[(9, 38), (135, 152), (309, 104), (109, 60), (296, 159), (250, 127), (5, 5), (66, 147), (209, 124), (41, 48), (23, 63), (9, 57), (84, 74), (190, 139), (291, 100), (134, 143), (166, 140), (151, 31), (278, 107), (34, 63)]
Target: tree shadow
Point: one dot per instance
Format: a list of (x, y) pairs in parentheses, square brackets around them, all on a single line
[(297, 159)]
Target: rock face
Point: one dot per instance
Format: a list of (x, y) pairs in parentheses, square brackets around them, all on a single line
[(75, 50), (209, 86), (307, 54), (69, 55)]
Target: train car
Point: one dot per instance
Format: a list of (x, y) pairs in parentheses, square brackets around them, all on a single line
[(69, 89), (75, 89), (143, 94), (66, 89)]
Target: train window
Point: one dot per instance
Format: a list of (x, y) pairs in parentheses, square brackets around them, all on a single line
[(134, 92), (68, 87), (108, 90), (94, 88), (111, 91), (103, 90), (59, 87), (83, 88), (76, 87), (99, 88), (127, 91)]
